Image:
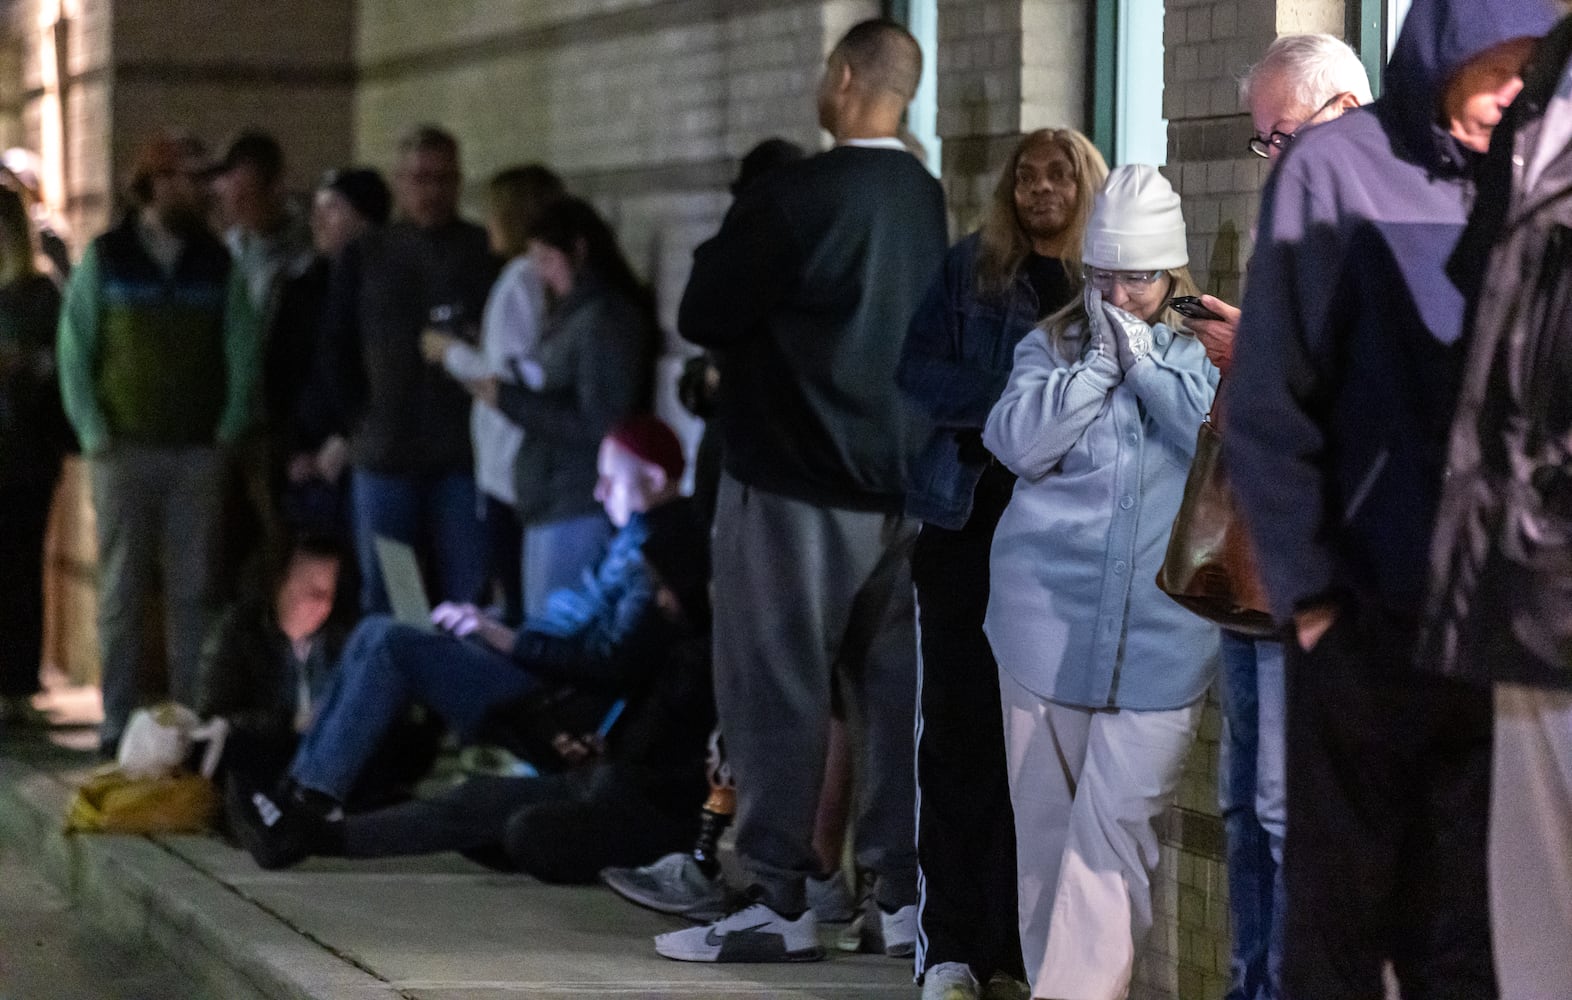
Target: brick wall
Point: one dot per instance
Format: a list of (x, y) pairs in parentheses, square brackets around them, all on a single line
[(678, 92), (1005, 67)]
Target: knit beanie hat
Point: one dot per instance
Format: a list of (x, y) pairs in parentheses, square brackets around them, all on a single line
[(364, 189), (1135, 224), (648, 438)]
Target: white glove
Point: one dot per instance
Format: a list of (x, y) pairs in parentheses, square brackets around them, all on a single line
[(456, 619), (1099, 339), (1132, 338)]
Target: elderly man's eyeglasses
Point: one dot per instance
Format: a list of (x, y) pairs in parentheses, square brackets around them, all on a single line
[(1261, 145), (1132, 281)]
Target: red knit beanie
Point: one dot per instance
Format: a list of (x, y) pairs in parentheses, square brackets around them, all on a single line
[(648, 438)]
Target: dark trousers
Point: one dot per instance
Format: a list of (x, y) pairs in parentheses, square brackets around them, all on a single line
[(558, 828), (24, 517), (965, 826), (1388, 797), (504, 558)]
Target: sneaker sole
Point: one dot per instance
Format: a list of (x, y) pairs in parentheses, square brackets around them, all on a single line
[(702, 912), (742, 947)]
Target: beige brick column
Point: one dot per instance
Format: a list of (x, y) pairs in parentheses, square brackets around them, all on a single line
[(1005, 67)]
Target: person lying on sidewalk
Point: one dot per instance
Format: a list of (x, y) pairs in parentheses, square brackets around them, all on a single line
[(646, 594)]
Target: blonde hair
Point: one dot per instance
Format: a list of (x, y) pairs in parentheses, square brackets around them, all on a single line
[(1003, 245), (1073, 319)]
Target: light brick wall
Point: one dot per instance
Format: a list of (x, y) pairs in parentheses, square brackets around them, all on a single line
[(652, 134), (1005, 67), (208, 68)]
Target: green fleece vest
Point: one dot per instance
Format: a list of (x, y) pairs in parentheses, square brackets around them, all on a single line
[(160, 376)]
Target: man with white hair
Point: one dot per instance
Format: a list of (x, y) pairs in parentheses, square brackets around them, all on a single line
[(1301, 81)]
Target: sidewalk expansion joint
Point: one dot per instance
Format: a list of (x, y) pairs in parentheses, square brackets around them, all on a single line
[(294, 927)]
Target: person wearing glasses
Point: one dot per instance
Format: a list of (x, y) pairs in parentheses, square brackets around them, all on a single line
[(1339, 403), (1101, 676), (1301, 81)]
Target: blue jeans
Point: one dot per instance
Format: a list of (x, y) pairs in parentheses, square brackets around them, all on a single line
[(556, 554), (385, 668), (435, 514), (1254, 805)]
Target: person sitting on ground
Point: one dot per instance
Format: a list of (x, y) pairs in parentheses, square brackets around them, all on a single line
[(629, 792), (646, 594), (266, 663)]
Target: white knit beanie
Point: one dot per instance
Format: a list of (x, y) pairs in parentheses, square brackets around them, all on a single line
[(1135, 224)]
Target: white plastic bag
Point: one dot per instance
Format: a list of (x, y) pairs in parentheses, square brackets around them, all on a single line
[(158, 739)]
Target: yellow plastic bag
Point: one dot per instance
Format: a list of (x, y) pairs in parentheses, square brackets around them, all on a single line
[(111, 802)]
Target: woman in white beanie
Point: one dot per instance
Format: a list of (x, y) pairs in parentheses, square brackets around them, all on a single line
[(1102, 677)]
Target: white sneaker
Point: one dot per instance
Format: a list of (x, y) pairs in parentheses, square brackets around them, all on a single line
[(894, 934), (673, 884), (950, 981), (830, 898), (754, 934)]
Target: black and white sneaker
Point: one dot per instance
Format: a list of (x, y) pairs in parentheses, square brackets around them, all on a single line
[(755, 933), (274, 829)]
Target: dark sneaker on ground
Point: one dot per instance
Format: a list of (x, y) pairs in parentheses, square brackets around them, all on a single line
[(875, 931), (673, 884), (830, 898), (1003, 987), (274, 830), (755, 933)]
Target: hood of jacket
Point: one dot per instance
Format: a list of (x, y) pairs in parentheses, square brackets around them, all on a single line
[(1438, 38)]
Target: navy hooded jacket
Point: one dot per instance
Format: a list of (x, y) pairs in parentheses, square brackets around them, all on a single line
[(1346, 366)]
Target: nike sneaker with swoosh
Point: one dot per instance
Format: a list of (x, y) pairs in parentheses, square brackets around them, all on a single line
[(753, 934)]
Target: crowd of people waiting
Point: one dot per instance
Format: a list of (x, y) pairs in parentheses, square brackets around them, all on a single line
[(935, 492)]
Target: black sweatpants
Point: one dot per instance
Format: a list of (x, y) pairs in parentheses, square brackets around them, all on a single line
[(1388, 802), (965, 826), (558, 828)]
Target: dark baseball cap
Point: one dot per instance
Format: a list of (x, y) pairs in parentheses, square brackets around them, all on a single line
[(257, 149)]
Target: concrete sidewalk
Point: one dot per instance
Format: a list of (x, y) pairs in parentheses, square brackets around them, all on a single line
[(435, 928)]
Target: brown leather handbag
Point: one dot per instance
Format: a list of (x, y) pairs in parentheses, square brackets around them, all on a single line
[(1210, 564)]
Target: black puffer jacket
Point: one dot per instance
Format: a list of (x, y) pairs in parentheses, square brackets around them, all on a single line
[(1501, 566)]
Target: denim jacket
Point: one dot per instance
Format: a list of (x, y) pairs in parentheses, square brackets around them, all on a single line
[(954, 365), (647, 592)]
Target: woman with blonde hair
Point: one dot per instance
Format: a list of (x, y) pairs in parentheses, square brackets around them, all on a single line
[(33, 439), (1101, 676), (996, 284)]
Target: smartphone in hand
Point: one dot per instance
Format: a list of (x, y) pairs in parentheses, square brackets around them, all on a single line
[(1189, 306)]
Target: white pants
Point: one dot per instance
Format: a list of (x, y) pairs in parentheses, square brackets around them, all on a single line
[(1088, 788), (1531, 843)]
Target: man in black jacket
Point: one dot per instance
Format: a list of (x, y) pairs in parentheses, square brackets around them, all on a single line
[(1501, 561), (805, 295), (408, 423)]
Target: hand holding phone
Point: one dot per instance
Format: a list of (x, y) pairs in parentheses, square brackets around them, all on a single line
[(1213, 322), (1190, 307)]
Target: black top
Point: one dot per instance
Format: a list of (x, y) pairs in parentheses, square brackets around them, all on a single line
[(33, 429), (805, 295), (405, 417), (291, 414), (1048, 279)]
